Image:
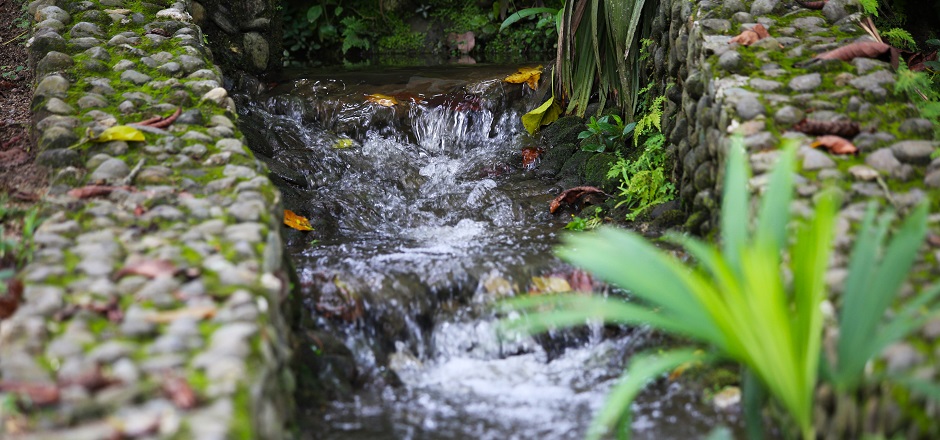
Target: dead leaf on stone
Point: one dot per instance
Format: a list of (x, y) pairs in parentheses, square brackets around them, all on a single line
[(179, 392), (862, 49), (148, 268), (38, 394), (528, 75), (90, 191), (166, 317), (846, 129), (576, 196), (10, 301), (751, 36), (297, 222), (550, 284), (817, 5), (383, 100), (530, 156), (93, 380), (835, 144)]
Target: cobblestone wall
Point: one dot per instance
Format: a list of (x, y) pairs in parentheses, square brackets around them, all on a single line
[(156, 301)]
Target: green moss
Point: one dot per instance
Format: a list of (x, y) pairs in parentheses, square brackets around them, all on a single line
[(595, 171)]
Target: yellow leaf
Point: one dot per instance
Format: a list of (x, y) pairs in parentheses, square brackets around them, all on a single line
[(528, 75), (343, 143), (166, 317), (120, 133), (297, 222), (383, 100), (545, 114), (550, 285)]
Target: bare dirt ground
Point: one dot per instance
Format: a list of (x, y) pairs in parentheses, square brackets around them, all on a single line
[(21, 180)]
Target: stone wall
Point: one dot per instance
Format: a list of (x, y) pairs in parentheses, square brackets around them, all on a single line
[(157, 300), (243, 34)]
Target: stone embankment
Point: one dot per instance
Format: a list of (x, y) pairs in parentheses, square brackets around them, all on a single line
[(717, 89), (157, 301)]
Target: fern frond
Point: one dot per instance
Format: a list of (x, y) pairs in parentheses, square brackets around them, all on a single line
[(900, 38), (869, 6)]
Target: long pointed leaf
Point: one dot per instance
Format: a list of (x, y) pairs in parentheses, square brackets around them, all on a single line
[(734, 205)]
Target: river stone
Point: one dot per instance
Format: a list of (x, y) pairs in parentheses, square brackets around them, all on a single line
[(53, 13), (110, 351), (135, 77), (110, 170), (932, 180), (85, 29), (914, 152), (863, 173), (256, 48), (123, 65), (57, 106), (55, 25), (760, 142), (814, 159), (47, 42), (92, 100), (171, 69), (917, 127), (59, 157), (763, 7), (206, 74), (873, 81), (805, 83), (836, 10), (749, 107), (764, 85), (730, 61), (52, 85), (863, 65), (217, 95), (56, 138), (883, 160), (191, 63), (54, 61), (202, 87), (153, 175)]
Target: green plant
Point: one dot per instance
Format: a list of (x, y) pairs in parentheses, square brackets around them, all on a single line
[(330, 29), (579, 224), (605, 133), (11, 72), (923, 89), (900, 38)]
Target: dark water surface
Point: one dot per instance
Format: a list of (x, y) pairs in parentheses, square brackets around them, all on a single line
[(424, 218)]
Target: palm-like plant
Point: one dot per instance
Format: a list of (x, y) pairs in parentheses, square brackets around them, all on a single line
[(740, 301)]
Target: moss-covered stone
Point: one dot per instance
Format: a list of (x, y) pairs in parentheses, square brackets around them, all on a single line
[(554, 159), (595, 171), (564, 130)]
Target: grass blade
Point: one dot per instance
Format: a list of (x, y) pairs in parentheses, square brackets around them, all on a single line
[(734, 205)]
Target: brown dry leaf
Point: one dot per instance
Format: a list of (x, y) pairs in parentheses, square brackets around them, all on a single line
[(204, 312), (92, 381), (383, 100), (147, 268), (835, 144), (528, 75), (90, 191), (863, 49), (817, 5), (576, 195), (180, 392), (37, 393), (165, 122), (751, 36), (846, 129), (297, 222), (530, 156), (10, 301)]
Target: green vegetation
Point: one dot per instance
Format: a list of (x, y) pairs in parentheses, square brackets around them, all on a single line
[(16, 249), (755, 300), (605, 133), (579, 224)]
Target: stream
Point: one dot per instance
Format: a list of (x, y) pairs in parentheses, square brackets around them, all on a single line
[(424, 217)]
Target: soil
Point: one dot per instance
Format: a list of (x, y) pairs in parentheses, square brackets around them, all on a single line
[(22, 182)]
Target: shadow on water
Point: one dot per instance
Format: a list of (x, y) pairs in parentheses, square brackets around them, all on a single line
[(424, 218)]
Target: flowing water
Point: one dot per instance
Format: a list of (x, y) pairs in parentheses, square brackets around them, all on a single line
[(424, 217)]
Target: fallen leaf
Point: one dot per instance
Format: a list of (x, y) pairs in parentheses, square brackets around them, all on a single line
[(89, 191), (10, 301), (528, 75), (38, 394), (343, 143), (750, 36), (530, 156), (338, 300), (165, 122), (93, 380), (862, 49), (120, 133), (835, 144), (297, 222), (541, 285), (846, 129), (543, 115), (812, 4), (148, 268), (581, 281), (383, 100), (168, 316), (576, 195), (179, 392)]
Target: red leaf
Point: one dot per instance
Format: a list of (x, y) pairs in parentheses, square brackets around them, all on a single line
[(863, 49), (10, 301), (812, 4), (835, 145), (93, 380), (751, 36), (38, 394), (530, 156), (180, 392), (575, 196), (90, 191)]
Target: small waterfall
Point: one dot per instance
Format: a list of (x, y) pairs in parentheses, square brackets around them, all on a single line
[(425, 218)]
